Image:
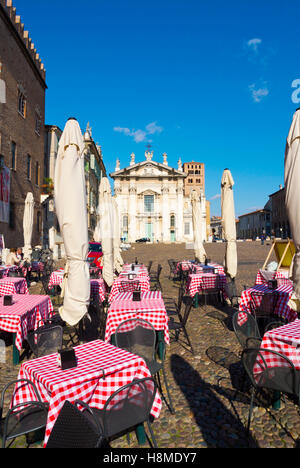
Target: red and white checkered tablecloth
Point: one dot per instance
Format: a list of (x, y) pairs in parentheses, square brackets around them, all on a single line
[(277, 275), (14, 285), (144, 285), (4, 269), (95, 360), (25, 313), (284, 340), (56, 278), (150, 308), (282, 309), (98, 289), (199, 281), (206, 268)]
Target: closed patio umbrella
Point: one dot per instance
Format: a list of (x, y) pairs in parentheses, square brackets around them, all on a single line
[(28, 225), (71, 211), (228, 224), (200, 253), (118, 261), (292, 200), (105, 231)]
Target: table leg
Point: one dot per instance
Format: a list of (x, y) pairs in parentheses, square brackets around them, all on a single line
[(140, 434), (16, 354), (276, 400), (196, 300)]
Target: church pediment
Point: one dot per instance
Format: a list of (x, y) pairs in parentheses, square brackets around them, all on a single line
[(148, 169)]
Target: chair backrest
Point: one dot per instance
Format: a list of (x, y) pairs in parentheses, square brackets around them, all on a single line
[(149, 266), (270, 369), (129, 406), (20, 384), (245, 329), (263, 303), (129, 286), (46, 339), (159, 268), (137, 336), (188, 301), (180, 298), (72, 429)]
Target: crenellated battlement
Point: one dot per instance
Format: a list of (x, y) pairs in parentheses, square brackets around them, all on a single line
[(23, 34)]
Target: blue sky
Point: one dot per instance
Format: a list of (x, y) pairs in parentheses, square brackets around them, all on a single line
[(201, 80)]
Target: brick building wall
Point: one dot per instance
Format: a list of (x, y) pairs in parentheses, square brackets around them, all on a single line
[(195, 179), (22, 72)]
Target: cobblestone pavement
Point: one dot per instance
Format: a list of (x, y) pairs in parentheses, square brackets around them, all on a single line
[(209, 390)]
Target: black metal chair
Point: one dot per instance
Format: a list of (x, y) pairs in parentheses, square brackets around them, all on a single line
[(139, 337), (154, 279), (46, 339), (246, 329), (172, 307), (180, 325), (281, 376), (72, 429), (231, 293), (124, 410), (211, 295), (22, 418), (173, 268), (263, 306), (149, 266)]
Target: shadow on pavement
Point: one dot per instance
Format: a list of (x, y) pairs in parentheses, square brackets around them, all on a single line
[(219, 427)]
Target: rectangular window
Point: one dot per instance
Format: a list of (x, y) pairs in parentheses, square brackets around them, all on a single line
[(186, 229), (149, 203), (38, 124), (28, 167), (37, 173), (13, 155)]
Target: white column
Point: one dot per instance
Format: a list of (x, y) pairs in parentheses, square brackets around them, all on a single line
[(165, 213), (132, 214), (179, 219)]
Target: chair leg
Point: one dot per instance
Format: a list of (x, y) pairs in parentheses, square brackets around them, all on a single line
[(188, 340), (253, 392), (168, 391), (152, 434)]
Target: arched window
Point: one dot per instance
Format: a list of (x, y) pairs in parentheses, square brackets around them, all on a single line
[(172, 221)]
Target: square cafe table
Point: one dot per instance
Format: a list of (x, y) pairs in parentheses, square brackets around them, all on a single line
[(282, 309), (13, 285), (101, 370), (150, 308), (199, 281), (142, 278), (24, 315)]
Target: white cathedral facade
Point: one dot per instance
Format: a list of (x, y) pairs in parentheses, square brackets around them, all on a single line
[(151, 201)]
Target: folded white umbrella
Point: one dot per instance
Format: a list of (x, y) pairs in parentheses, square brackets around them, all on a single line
[(71, 211), (292, 200), (228, 224), (118, 261), (28, 225), (104, 231), (200, 253)]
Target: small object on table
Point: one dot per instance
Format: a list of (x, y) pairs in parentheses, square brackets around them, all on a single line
[(272, 284), (136, 260), (136, 295), (132, 267), (7, 301), (66, 358), (131, 276)]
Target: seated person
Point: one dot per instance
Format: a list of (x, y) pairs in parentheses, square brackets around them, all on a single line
[(20, 254), (12, 258)]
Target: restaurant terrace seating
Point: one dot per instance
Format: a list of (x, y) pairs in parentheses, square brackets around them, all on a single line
[(72, 429), (268, 369), (22, 418), (139, 337), (125, 409)]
